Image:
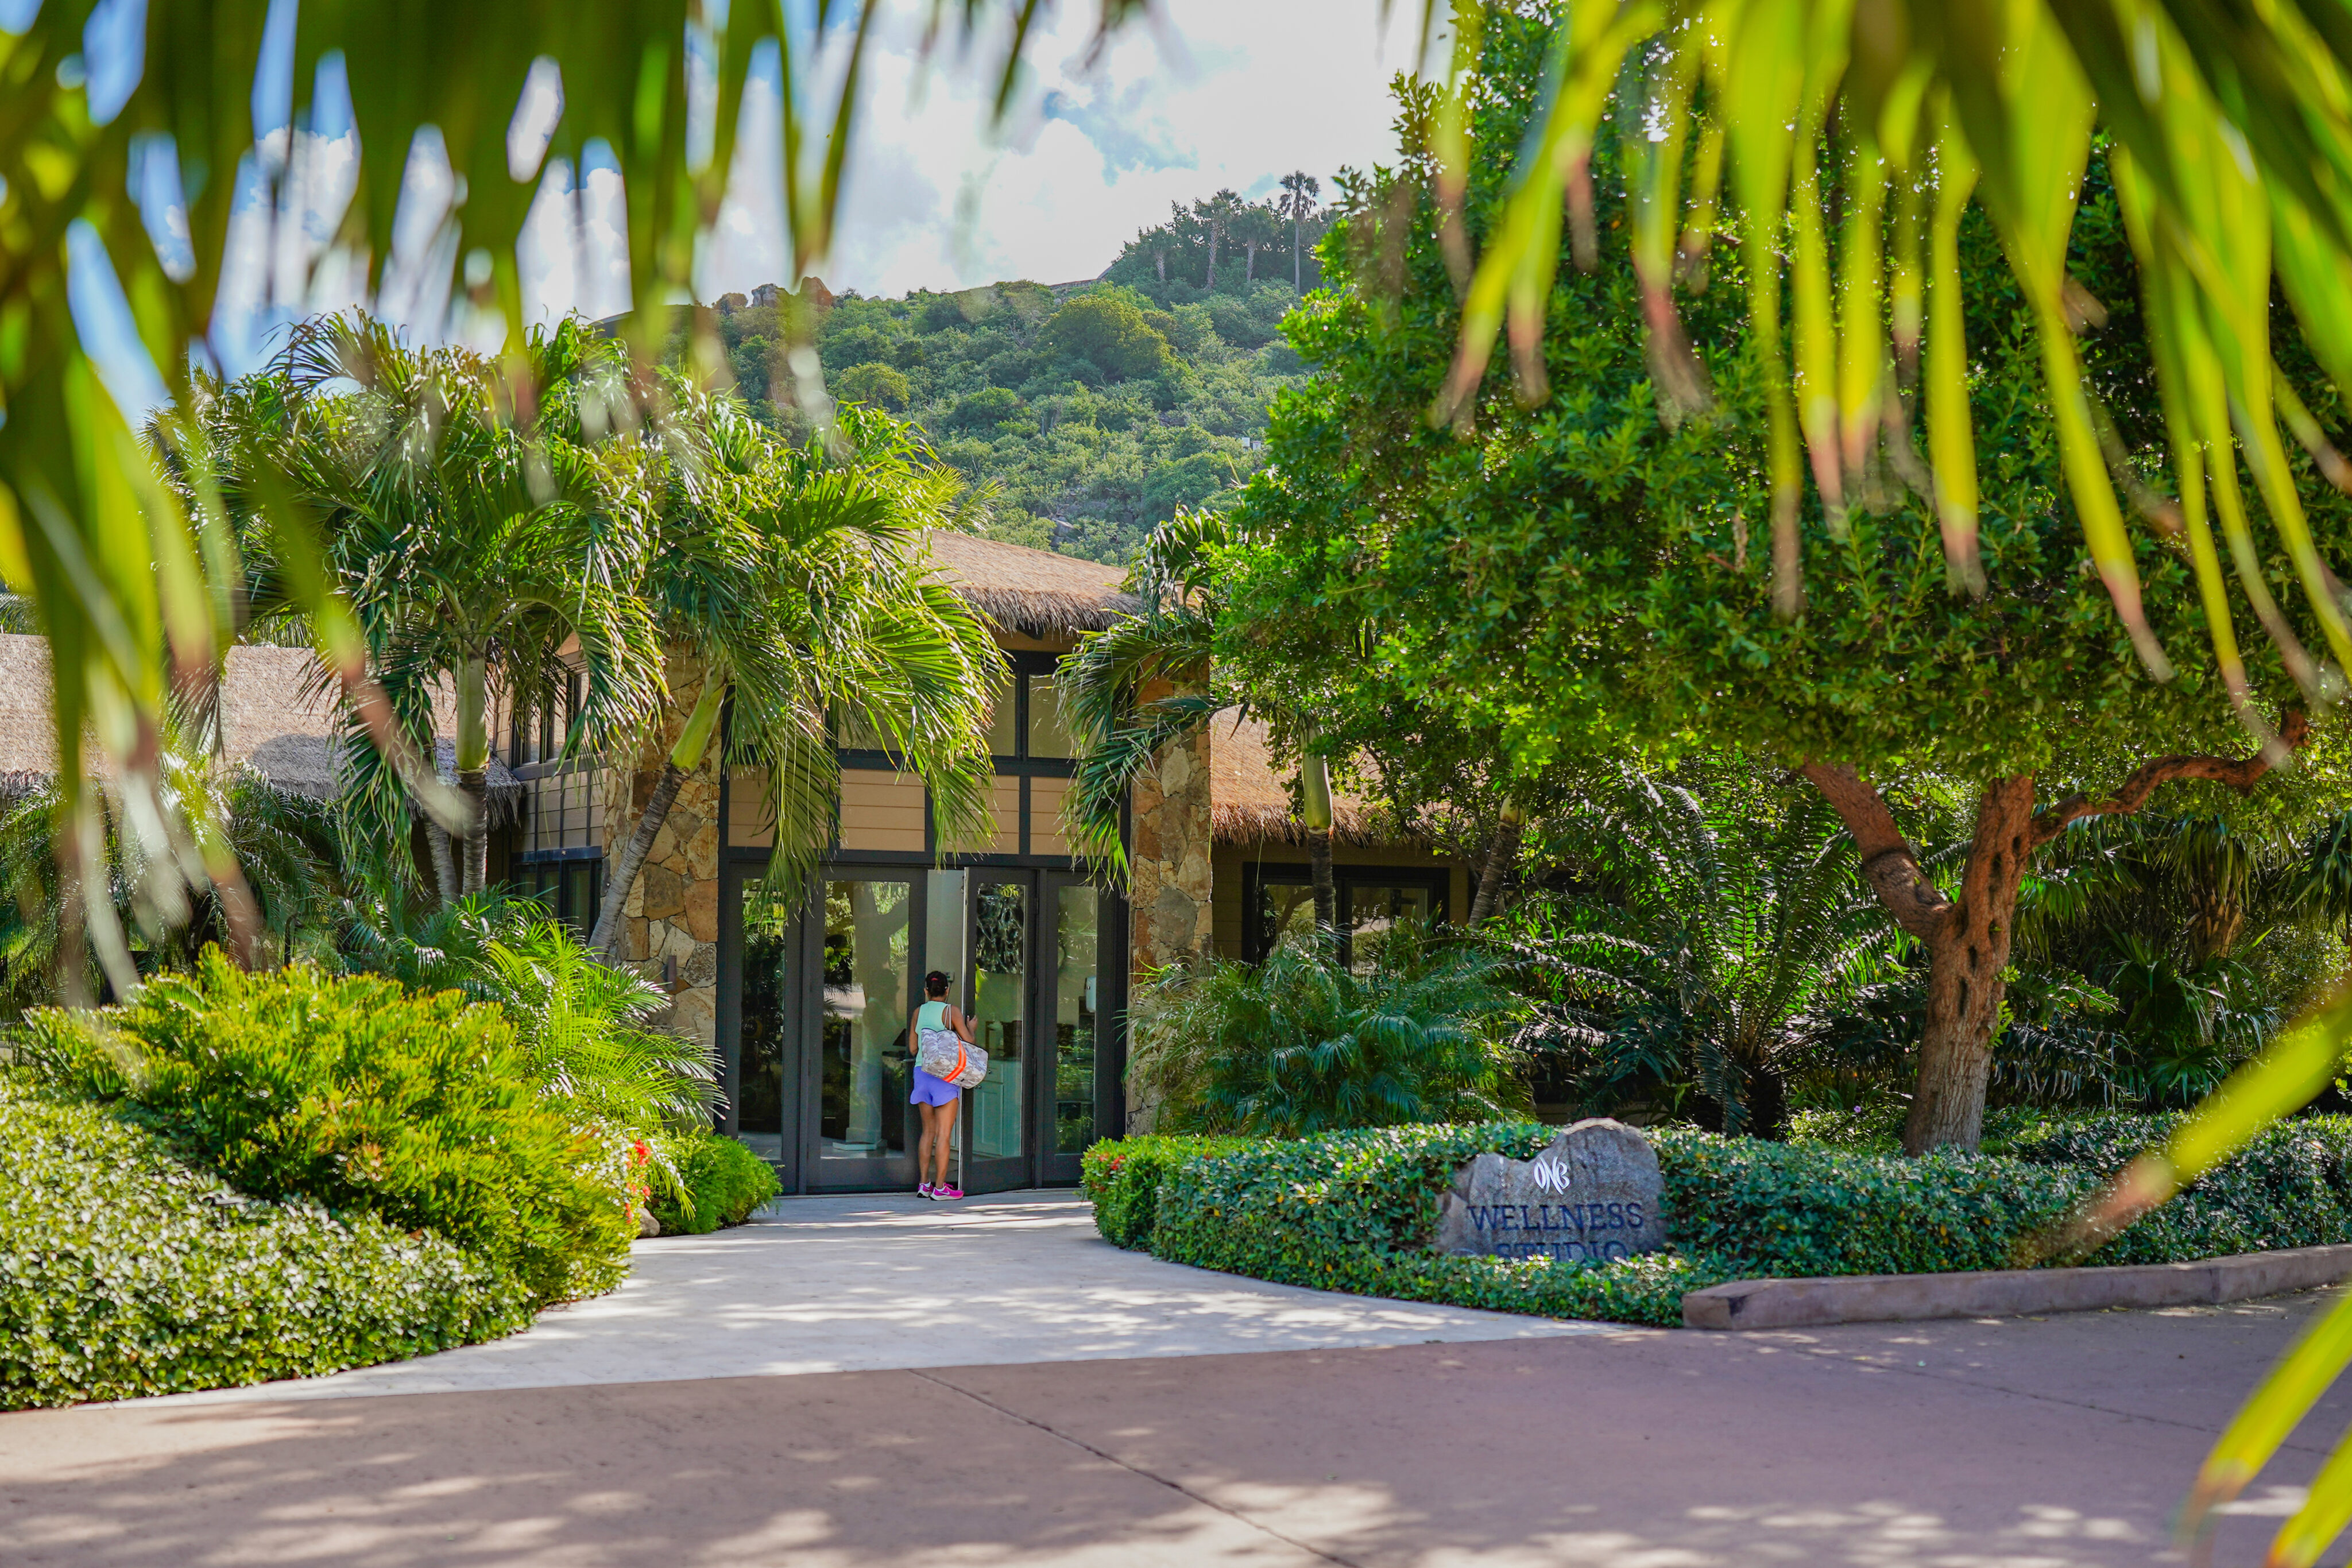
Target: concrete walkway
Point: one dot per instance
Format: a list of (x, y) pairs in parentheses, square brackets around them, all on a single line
[(846, 1284), (2016, 1444), (1011, 1393)]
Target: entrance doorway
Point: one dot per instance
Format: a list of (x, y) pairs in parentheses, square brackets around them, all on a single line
[(815, 1000)]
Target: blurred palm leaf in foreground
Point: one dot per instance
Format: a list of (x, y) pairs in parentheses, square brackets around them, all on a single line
[(133, 131)]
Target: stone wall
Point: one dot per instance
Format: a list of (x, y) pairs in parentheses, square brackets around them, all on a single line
[(673, 910), (1173, 908)]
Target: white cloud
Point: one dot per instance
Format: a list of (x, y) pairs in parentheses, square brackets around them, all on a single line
[(1220, 92)]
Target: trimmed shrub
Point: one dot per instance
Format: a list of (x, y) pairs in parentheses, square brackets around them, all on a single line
[(361, 1096), (724, 1183), (1122, 1178), (124, 1271), (1354, 1211)]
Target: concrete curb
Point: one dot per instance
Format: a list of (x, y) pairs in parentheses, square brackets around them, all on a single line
[(2010, 1292)]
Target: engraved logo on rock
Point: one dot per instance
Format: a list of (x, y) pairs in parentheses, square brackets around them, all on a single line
[(1591, 1196)]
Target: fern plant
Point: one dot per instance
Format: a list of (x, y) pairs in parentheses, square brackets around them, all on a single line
[(1304, 1043), (1709, 931)]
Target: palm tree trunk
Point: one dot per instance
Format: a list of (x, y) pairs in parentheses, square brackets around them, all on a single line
[(1249, 269), (1298, 276), (1315, 790), (1326, 898), (473, 761), (605, 938), (1501, 850), (444, 864), (684, 759)]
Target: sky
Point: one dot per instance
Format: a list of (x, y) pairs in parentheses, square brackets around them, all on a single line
[(1206, 94)]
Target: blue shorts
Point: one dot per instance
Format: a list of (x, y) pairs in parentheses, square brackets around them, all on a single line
[(930, 1090)]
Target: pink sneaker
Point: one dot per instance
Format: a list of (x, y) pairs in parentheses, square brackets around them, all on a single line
[(947, 1194), (925, 1191)]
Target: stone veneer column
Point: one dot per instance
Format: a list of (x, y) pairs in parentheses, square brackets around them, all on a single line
[(1171, 914), (673, 910)]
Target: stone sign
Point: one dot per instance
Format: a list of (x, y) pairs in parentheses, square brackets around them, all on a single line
[(1593, 1195)]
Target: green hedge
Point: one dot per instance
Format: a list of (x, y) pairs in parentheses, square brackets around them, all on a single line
[(1122, 1178), (124, 1272), (358, 1094), (724, 1181), (1354, 1211)]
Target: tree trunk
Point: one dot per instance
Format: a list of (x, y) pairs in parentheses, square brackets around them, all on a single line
[(1249, 269), (693, 740), (1968, 941), (1501, 850), (444, 864), (1298, 272), (474, 783), (605, 938), (1212, 256), (1318, 860), (1965, 960), (1159, 260), (473, 765)]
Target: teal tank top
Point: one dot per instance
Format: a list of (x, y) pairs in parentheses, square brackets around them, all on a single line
[(931, 1015)]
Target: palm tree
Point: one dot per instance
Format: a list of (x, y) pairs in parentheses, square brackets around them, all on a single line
[(799, 583), (280, 847), (1713, 924), (1120, 725), (1298, 203), (471, 549), (1216, 214)]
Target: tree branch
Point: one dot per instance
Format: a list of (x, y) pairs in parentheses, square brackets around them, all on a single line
[(1889, 864), (2241, 773)]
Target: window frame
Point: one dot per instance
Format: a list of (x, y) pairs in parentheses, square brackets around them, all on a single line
[(1257, 875)]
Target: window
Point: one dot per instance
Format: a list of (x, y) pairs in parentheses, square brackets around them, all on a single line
[(1026, 725), (1278, 903), (570, 888)]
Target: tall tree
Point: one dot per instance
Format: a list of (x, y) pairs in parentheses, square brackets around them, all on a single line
[(1149, 682), (1298, 202), (798, 581), (472, 549), (1584, 576), (1216, 215)]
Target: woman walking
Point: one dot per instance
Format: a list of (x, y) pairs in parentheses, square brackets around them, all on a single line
[(937, 1096)]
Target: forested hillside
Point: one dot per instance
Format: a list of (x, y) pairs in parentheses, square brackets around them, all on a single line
[(1097, 407)]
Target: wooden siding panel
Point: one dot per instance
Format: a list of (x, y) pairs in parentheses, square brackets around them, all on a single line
[(881, 811), (1004, 801), (1045, 816), (748, 823)]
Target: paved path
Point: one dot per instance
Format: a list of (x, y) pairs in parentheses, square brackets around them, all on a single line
[(848, 1284), (2063, 1443)]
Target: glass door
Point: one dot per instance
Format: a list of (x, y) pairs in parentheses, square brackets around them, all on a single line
[(1073, 1014), (996, 1113), (857, 1097)]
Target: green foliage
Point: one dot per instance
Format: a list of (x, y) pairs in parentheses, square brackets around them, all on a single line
[(361, 1096), (1075, 408), (581, 1034), (1587, 575), (282, 843), (723, 1182), (125, 1271), (883, 386), (1105, 329), (1302, 1043), (1703, 928), (1354, 1211), (1122, 1177)]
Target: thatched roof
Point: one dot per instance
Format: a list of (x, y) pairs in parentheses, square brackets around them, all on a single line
[(1028, 590), (1249, 804), (275, 715), (26, 745)]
